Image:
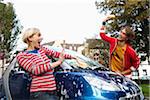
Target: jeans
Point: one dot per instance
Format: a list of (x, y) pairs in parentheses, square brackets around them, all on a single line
[(43, 96)]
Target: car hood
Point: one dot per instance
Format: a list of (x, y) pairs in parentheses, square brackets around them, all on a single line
[(124, 83)]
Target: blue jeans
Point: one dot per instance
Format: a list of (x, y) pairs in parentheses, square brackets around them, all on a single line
[(43, 96)]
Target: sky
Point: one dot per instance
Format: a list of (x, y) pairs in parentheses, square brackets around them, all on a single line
[(70, 20)]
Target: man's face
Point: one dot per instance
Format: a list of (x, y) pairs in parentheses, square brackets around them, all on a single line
[(122, 35)]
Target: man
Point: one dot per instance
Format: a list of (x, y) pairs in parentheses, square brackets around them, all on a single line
[(123, 58)]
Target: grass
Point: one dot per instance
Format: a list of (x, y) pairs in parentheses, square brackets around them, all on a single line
[(145, 89)]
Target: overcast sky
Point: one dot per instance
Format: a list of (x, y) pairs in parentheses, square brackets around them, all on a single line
[(70, 20)]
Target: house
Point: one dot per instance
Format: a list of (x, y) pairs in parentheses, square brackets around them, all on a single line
[(71, 46), (144, 70)]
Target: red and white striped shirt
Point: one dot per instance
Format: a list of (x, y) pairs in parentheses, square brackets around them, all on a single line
[(38, 64)]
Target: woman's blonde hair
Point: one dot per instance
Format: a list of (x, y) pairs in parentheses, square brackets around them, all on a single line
[(29, 33)]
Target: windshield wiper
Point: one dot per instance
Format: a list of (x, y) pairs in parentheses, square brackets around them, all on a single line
[(102, 69)]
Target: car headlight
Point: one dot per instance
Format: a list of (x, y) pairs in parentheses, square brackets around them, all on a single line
[(101, 84)]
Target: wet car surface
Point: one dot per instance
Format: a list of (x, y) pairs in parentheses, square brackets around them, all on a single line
[(82, 79)]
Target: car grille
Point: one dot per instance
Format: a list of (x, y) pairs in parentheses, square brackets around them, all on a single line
[(138, 96)]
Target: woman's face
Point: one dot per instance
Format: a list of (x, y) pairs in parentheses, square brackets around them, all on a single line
[(35, 40), (122, 35)]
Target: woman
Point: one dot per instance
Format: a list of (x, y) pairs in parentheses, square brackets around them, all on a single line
[(35, 61), (123, 58)]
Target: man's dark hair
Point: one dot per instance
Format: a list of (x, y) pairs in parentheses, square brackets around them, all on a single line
[(129, 33)]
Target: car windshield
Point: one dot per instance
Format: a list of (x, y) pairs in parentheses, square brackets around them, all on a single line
[(81, 62)]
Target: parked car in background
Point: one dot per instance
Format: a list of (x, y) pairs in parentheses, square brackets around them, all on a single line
[(82, 79)]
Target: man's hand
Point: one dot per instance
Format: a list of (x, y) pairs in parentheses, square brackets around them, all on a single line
[(128, 71), (119, 73), (124, 72), (109, 17)]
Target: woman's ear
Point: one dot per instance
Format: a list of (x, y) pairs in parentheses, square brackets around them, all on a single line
[(29, 39)]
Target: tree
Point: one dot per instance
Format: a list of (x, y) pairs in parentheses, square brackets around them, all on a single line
[(99, 46), (9, 27), (129, 12)]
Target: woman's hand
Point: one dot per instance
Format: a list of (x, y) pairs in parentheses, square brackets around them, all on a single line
[(61, 56)]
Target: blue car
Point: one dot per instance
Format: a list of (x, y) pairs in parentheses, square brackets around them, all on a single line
[(81, 79)]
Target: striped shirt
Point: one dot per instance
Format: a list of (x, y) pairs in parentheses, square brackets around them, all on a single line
[(38, 64)]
